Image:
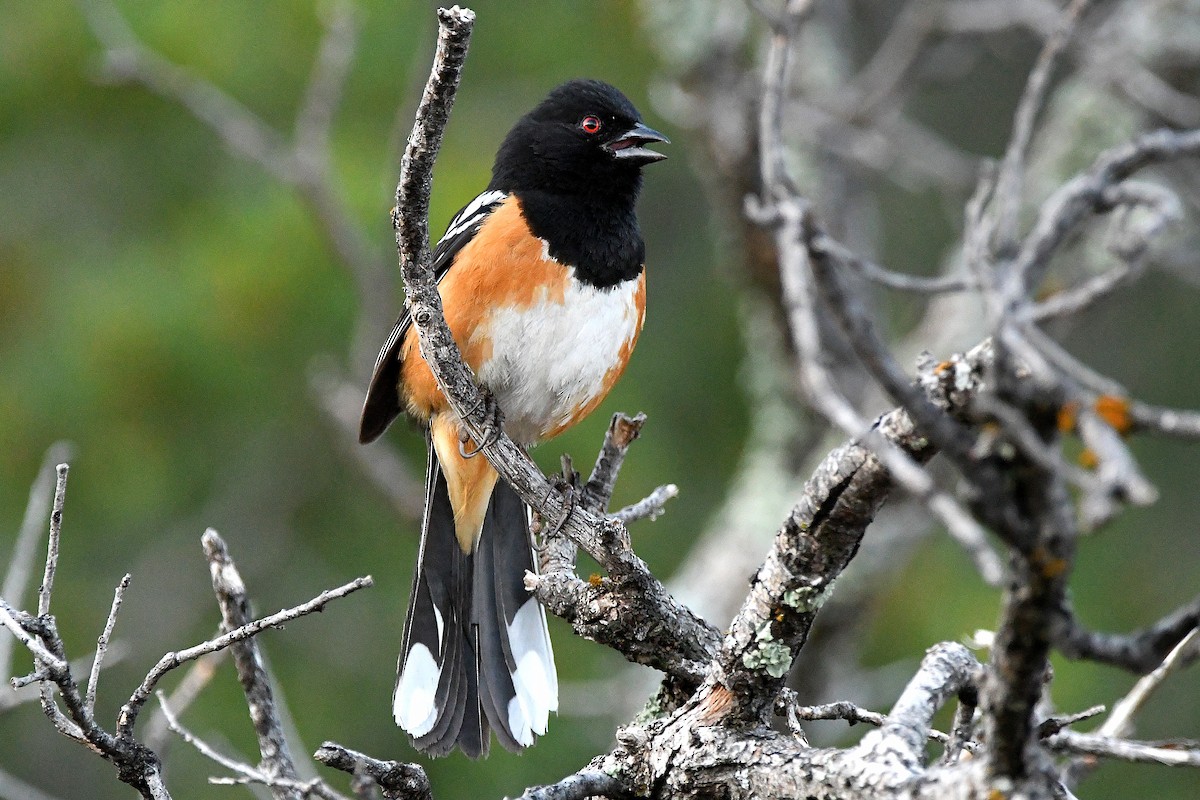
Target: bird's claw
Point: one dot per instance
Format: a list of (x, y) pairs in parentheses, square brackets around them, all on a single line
[(567, 485), (493, 425)]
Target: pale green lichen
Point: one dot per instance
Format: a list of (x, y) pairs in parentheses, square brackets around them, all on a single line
[(774, 657), (808, 598), (651, 711), (770, 655)]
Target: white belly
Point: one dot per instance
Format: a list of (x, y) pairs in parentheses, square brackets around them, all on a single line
[(551, 358)]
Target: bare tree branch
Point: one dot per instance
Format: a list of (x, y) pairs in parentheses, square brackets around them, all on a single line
[(277, 763), (89, 701), (136, 764), (24, 553), (397, 780)]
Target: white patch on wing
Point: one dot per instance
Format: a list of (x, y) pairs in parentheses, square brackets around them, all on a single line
[(534, 679), (551, 358), (441, 626), (469, 215), (413, 703)]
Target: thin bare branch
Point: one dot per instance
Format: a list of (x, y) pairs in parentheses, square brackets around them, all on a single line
[(1120, 722), (1011, 178), (650, 507), (170, 661), (189, 688), (89, 700), (23, 558), (46, 659), (580, 786), (398, 780), (205, 749), (56, 512)]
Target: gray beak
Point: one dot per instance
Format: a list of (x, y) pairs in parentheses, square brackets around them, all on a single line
[(629, 145)]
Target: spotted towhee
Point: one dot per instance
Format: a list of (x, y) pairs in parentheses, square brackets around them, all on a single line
[(543, 284)]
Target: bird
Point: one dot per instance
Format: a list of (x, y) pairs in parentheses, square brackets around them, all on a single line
[(543, 285)]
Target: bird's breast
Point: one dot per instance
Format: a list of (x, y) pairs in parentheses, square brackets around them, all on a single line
[(555, 359)]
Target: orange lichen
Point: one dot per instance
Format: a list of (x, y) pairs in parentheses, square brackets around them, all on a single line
[(594, 579), (1088, 459), (1068, 417), (1114, 411)]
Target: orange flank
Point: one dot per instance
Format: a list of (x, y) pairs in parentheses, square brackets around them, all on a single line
[(502, 266)]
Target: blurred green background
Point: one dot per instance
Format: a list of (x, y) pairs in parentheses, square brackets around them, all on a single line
[(163, 304)]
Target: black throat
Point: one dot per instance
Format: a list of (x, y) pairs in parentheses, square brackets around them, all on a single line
[(596, 235)]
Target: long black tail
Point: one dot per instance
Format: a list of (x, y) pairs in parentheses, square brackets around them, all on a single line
[(476, 653)]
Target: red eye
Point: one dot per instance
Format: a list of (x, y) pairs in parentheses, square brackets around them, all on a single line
[(590, 124)]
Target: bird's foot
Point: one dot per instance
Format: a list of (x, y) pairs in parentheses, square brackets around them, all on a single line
[(568, 485), (493, 424)]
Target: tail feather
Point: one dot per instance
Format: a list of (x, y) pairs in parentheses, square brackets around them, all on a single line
[(520, 619), (496, 684), (476, 655)]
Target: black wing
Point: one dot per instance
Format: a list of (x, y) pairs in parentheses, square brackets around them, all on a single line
[(382, 404)]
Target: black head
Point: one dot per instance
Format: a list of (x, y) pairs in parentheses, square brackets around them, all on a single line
[(584, 138)]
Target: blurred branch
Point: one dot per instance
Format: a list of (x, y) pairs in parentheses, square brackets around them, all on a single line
[(1120, 721), (1007, 195), (301, 161), (13, 788), (383, 465), (1171, 754)]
